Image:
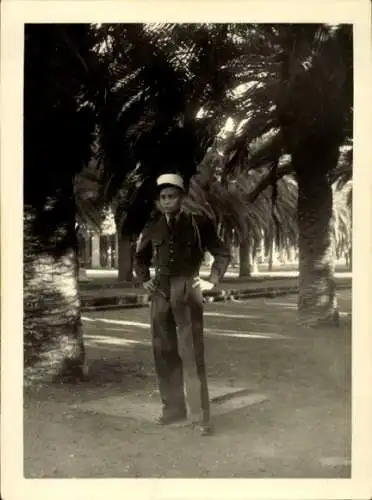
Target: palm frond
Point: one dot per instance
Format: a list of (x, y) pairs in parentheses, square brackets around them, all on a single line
[(88, 201), (343, 172), (161, 76)]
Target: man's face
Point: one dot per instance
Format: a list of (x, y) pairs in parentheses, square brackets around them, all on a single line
[(170, 199)]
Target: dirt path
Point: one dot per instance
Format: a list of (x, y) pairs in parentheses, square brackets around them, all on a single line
[(300, 430)]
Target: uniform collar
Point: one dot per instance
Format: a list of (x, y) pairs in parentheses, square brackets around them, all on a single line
[(176, 216)]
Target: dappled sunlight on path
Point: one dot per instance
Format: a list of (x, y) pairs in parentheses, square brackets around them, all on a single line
[(208, 331), (297, 423)]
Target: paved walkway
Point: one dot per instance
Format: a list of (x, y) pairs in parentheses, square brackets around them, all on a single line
[(293, 420)]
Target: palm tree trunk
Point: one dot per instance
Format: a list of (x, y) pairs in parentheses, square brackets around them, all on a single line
[(317, 296), (272, 248), (350, 258), (53, 339), (271, 256), (228, 238), (254, 258), (126, 250), (245, 265), (82, 258)]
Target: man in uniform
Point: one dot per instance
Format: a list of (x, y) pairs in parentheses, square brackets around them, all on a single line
[(176, 242)]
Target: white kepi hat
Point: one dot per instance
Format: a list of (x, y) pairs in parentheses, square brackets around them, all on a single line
[(170, 180)]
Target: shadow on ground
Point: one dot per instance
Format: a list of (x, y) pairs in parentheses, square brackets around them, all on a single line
[(304, 424)]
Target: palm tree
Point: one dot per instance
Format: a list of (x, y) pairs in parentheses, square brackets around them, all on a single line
[(121, 203), (302, 99), (162, 75), (89, 210), (342, 204), (342, 219), (58, 131), (272, 213), (240, 209)]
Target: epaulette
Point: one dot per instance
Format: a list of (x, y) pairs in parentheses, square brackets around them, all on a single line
[(196, 232)]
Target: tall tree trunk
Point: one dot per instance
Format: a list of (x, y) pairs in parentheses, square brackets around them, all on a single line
[(349, 258), (82, 258), (53, 339), (317, 297), (254, 258), (96, 250), (292, 255), (228, 238), (271, 255), (245, 265), (126, 252)]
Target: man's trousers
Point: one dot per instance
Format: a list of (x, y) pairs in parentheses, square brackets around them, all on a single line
[(178, 346)]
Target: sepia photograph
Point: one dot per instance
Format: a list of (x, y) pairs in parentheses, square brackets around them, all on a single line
[(187, 226), (187, 250)]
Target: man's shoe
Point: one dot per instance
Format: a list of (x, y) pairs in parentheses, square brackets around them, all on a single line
[(171, 419), (206, 429)]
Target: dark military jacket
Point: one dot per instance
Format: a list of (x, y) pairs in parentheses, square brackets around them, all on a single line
[(179, 251)]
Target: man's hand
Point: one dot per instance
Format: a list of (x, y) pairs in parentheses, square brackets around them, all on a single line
[(149, 285), (214, 279), (203, 285)]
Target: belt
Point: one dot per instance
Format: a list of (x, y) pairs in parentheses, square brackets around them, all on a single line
[(164, 271)]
